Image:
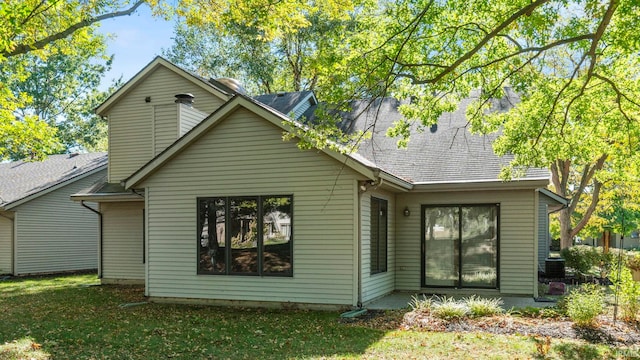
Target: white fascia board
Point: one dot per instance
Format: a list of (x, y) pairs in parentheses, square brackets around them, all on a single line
[(550, 194)]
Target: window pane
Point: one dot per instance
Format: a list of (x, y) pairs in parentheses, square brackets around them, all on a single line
[(243, 227), (382, 254), (375, 235), (212, 235), (441, 246), (378, 235), (479, 246), (276, 234)]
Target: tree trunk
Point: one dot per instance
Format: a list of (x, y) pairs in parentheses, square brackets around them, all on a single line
[(566, 232), (560, 174)]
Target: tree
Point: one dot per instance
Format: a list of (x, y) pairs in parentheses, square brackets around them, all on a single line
[(589, 141), (288, 61), (573, 63), (436, 52), (208, 53), (61, 90), (40, 29), (618, 209)]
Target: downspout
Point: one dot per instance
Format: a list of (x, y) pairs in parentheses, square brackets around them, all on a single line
[(99, 235), (359, 265)]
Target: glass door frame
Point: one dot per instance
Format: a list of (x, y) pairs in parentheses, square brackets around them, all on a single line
[(423, 245)]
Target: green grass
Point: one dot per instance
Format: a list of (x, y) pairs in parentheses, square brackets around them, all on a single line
[(63, 318)]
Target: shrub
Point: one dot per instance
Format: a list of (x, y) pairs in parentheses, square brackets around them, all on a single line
[(423, 304), (449, 309), (629, 294), (483, 307), (581, 258), (584, 304), (633, 261)]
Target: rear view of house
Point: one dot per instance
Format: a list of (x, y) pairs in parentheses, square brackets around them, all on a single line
[(205, 201), (41, 229)]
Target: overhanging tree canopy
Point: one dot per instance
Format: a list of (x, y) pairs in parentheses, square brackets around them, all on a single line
[(573, 63), (28, 29)]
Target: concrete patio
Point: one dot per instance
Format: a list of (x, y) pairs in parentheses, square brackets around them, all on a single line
[(401, 300)]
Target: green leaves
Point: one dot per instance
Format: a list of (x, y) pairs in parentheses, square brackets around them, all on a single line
[(28, 138)]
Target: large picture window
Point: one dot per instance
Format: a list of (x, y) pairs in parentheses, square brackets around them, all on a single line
[(460, 246), (378, 234), (245, 235)]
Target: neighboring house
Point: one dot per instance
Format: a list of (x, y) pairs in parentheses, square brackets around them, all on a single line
[(41, 229), (205, 201)]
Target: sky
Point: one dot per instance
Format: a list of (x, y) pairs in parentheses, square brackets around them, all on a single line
[(138, 38)]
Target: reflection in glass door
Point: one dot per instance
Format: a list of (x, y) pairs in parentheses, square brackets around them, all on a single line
[(460, 246), (441, 236)]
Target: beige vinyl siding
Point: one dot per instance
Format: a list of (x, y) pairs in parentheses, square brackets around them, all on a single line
[(6, 242), (131, 119), (189, 117), (245, 155), (56, 234), (517, 254), (122, 241), (377, 285), (165, 126)]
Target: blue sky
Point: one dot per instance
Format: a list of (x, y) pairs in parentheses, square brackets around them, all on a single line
[(138, 38)]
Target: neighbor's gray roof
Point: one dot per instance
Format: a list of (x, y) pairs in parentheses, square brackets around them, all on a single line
[(282, 102), (21, 179), (447, 155)]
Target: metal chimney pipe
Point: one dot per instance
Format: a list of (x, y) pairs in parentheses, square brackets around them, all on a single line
[(185, 98)]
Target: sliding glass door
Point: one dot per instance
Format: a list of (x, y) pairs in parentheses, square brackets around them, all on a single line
[(460, 246)]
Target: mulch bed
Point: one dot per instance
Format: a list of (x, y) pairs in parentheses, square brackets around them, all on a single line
[(607, 332)]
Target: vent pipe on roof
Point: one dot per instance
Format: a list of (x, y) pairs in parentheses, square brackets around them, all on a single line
[(185, 98)]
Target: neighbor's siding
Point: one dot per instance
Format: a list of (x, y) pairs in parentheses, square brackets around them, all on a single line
[(377, 285), (131, 126), (517, 250), (56, 234), (245, 155), (122, 243), (301, 109), (6, 243)]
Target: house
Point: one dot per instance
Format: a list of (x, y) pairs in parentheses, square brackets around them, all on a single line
[(41, 230), (204, 201)]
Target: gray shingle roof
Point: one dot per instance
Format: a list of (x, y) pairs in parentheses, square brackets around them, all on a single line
[(20, 179), (444, 154), (283, 102)]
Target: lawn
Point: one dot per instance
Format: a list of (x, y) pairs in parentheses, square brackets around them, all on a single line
[(65, 317)]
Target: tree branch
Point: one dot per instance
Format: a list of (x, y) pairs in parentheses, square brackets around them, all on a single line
[(25, 48), (495, 32), (606, 19)]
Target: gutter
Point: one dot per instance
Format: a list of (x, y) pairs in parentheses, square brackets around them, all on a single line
[(99, 235), (359, 247)]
